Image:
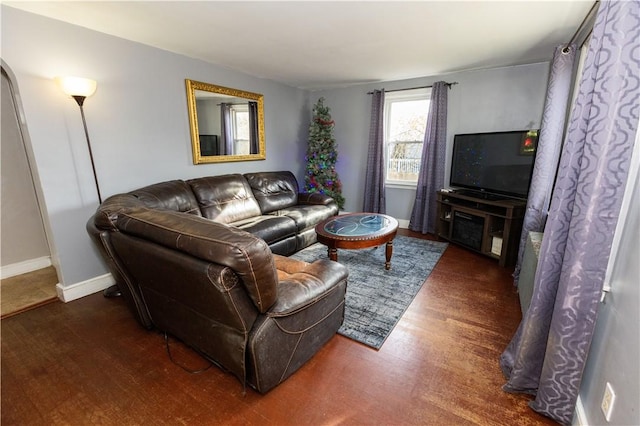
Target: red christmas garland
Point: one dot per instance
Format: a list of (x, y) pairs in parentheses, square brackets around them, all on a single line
[(324, 122)]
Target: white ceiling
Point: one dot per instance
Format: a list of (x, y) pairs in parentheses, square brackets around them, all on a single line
[(322, 44)]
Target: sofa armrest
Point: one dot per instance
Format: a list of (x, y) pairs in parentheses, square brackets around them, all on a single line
[(107, 213), (248, 256), (315, 198), (302, 284)]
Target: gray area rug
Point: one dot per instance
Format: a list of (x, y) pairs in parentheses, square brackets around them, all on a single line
[(376, 298)]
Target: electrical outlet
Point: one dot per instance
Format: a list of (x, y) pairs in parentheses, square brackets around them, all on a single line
[(608, 399)]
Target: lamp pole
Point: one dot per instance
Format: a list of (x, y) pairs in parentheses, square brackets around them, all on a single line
[(79, 89), (80, 101)]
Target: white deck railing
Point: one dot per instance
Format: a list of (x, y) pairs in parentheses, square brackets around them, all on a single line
[(404, 165)]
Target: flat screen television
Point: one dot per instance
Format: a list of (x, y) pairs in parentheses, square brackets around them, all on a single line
[(497, 164), (209, 145)]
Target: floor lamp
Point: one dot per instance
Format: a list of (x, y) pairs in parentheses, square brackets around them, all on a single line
[(80, 89)]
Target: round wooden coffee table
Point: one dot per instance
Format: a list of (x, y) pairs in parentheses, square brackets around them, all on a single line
[(357, 231)]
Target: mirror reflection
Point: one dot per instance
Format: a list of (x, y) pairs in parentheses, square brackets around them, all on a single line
[(226, 124)]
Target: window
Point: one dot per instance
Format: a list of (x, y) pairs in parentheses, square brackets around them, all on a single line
[(240, 120), (405, 121)]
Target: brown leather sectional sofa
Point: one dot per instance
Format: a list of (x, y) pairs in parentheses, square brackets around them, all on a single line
[(204, 260)]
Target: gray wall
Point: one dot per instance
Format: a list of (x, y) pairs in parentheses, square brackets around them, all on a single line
[(22, 230), (137, 121), (208, 111), (615, 349), (510, 98)]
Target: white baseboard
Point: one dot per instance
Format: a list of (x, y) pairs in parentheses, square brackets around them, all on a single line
[(84, 288), (20, 268), (403, 223), (580, 418)]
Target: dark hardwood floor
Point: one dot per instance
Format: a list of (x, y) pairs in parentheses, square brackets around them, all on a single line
[(89, 362)]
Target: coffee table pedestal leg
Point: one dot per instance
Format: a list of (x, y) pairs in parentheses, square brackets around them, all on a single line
[(388, 252), (333, 254)]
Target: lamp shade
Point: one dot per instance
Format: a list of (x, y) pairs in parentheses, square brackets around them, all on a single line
[(77, 86)]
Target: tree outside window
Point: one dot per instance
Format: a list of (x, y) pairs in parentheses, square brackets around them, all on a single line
[(405, 123), (240, 117)]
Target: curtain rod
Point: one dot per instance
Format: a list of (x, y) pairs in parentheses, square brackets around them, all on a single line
[(413, 88), (581, 27)]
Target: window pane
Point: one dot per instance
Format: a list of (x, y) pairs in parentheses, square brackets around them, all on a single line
[(407, 122), (241, 130), (403, 161), (242, 124)]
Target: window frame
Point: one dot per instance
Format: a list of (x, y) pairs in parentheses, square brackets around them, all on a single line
[(390, 98), (238, 142)]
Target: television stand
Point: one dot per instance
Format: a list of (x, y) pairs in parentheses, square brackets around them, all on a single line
[(480, 195), (488, 226)]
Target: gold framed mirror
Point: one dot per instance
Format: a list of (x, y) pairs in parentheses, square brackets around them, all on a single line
[(226, 124)]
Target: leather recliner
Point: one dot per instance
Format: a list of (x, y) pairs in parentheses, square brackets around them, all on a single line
[(221, 291)]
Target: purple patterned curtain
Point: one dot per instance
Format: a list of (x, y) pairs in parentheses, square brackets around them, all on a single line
[(254, 143), (226, 134), (374, 190), (548, 353), (431, 177), (549, 145)]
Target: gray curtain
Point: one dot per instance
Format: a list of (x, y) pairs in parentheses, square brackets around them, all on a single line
[(548, 353), (431, 177), (253, 128), (549, 145), (226, 130), (374, 190)]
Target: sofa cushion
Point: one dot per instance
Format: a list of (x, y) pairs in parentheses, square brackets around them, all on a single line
[(270, 228), (307, 216), (225, 198), (273, 190), (247, 255), (303, 284), (173, 195), (317, 198)]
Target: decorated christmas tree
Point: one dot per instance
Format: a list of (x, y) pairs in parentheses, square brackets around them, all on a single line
[(321, 156)]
